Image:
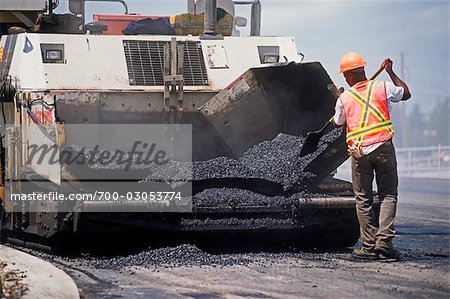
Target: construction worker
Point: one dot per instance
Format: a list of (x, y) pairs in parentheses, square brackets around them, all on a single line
[(364, 108)]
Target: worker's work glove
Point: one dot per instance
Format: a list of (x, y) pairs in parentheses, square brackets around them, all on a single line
[(355, 151)]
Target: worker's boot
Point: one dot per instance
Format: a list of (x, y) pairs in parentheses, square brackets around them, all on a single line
[(386, 250), (364, 254), (388, 253)]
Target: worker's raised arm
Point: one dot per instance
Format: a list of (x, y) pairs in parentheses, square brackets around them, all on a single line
[(387, 64)]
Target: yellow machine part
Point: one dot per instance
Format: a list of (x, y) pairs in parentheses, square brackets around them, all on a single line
[(189, 23), (2, 194)]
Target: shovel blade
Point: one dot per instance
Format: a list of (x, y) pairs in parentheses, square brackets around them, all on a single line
[(312, 140)]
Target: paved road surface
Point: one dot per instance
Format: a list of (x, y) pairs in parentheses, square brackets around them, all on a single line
[(423, 239)]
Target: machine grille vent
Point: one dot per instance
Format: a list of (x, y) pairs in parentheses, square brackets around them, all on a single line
[(145, 63)]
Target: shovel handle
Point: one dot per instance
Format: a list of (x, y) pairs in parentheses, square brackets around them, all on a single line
[(377, 73)]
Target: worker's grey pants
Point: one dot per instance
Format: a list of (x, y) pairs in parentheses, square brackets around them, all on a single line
[(382, 161)]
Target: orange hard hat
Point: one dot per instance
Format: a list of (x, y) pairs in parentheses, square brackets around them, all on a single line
[(351, 61)]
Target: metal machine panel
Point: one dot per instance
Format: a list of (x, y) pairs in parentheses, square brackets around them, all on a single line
[(145, 62), (217, 57), (95, 62), (39, 137), (79, 107)]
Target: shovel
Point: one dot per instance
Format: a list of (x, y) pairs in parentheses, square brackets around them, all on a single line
[(312, 138)]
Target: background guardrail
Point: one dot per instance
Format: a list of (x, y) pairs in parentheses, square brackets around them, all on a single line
[(429, 161), (426, 162)]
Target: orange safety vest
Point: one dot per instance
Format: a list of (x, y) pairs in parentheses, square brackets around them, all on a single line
[(367, 113)]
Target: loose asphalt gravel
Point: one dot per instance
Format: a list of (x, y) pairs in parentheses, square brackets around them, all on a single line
[(276, 161)]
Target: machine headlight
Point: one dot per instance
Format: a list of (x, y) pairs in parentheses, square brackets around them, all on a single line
[(271, 58), (52, 53), (269, 54)]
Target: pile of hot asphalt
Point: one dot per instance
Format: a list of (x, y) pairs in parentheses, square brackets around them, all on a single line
[(270, 163), (275, 161)]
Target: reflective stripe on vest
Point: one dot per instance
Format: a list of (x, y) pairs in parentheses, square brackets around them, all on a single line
[(369, 129), (368, 118)]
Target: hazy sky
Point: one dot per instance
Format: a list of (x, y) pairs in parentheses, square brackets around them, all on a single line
[(325, 30)]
